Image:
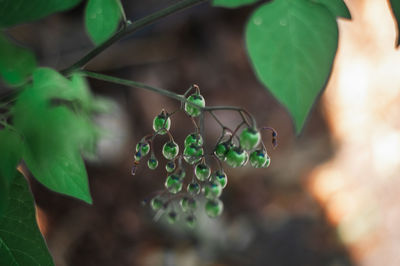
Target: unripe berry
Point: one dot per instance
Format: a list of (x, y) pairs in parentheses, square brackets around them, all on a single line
[(214, 208), (236, 157), (193, 188), (202, 171), (212, 190), (188, 204), (170, 150), (156, 203), (258, 158), (161, 123), (152, 163), (194, 138), (196, 99), (173, 183), (249, 138), (192, 154), (221, 177)]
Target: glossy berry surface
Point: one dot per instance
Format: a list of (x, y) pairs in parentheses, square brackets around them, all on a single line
[(156, 203), (152, 163), (221, 177), (161, 123), (143, 148), (192, 154), (170, 150), (173, 183), (172, 216), (170, 166), (202, 171), (193, 188), (195, 139), (222, 149), (191, 221), (212, 190), (188, 204), (268, 162), (249, 138), (214, 208), (236, 157), (196, 99), (258, 158)]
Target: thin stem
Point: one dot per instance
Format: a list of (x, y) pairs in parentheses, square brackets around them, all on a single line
[(239, 109), (129, 29)]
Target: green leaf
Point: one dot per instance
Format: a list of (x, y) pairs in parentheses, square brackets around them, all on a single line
[(16, 63), (337, 7), (102, 18), (57, 127), (233, 3), (10, 155), (13, 12), (395, 4), (292, 44), (21, 243)]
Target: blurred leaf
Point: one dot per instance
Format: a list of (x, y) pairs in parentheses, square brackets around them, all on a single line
[(21, 243), (56, 134), (233, 3), (16, 63), (292, 44), (102, 18), (337, 7), (395, 4), (10, 155), (14, 12)]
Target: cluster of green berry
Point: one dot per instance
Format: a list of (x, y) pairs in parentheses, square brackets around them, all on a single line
[(204, 181)]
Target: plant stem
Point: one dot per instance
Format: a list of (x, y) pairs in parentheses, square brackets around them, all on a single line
[(129, 29)]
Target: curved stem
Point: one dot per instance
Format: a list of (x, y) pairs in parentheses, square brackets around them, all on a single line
[(129, 29)]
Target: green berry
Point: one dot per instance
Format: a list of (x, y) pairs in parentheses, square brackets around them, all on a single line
[(188, 204), (161, 123), (196, 99), (202, 171), (192, 154), (173, 183), (143, 148), (236, 157), (221, 177), (249, 138), (194, 138), (191, 221), (156, 203), (193, 188), (222, 149), (172, 216), (170, 150), (268, 162), (152, 163), (214, 208), (170, 166), (212, 190), (138, 156), (258, 158)]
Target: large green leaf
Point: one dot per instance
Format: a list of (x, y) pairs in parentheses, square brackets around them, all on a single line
[(56, 127), (337, 7), (14, 12), (10, 155), (16, 63), (233, 3), (21, 243), (395, 4), (292, 44), (102, 18)]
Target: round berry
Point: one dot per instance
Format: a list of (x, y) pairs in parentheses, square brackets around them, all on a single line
[(196, 99), (202, 171), (258, 158), (192, 154), (170, 166), (221, 177), (194, 138), (249, 138), (138, 156), (188, 204), (152, 163), (161, 123), (236, 157), (143, 148), (212, 190), (193, 188), (156, 203), (222, 149), (170, 150), (268, 162), (214, 208), (173, 183), (191, 221), (172, 217)]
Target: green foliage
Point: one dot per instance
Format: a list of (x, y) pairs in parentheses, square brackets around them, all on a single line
[(233, 3), (395, 4), (102, 18), (13, 12), (21, 243), (53, 115), (337, 7), (292, 44), (10, 155), (16, 63)]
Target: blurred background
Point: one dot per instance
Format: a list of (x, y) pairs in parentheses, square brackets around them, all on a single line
[(330, 196)]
